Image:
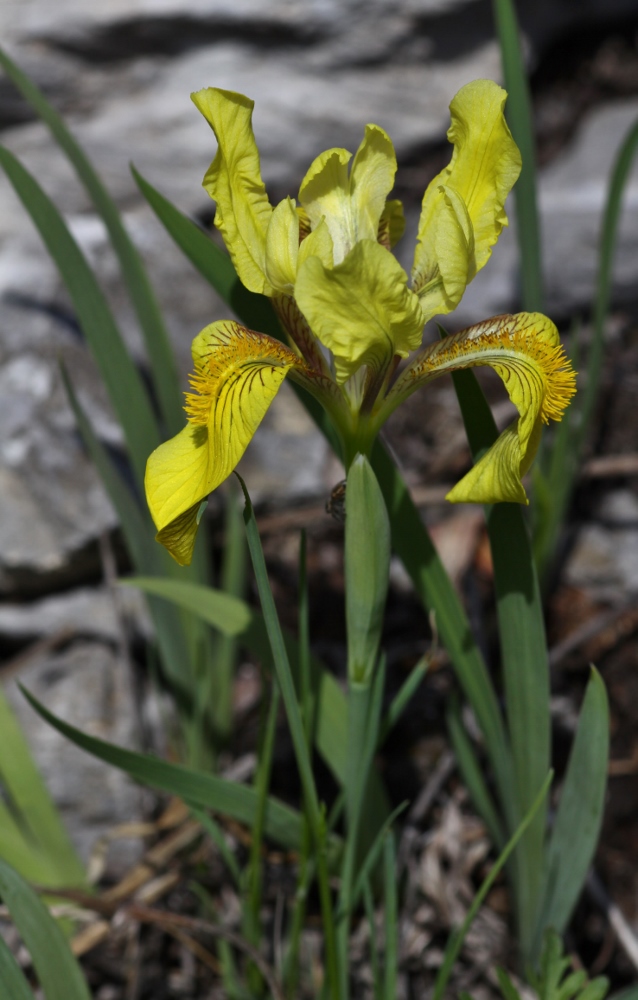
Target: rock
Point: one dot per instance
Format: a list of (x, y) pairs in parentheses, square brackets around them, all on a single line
[(86, 611), (89, 687), (605, 556), (573, 195)]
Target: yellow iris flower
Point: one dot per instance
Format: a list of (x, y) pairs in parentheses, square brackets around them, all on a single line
[(348, 309)]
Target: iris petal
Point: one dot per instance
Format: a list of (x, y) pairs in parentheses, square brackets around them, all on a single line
[(237, 375), (234, 182), (525, 351), (484, 167), (362, 310)]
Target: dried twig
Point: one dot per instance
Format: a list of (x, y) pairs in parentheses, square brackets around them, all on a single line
[(624, 933), (176, 921)]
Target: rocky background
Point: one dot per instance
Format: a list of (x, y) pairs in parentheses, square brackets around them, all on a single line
[(121, 72)]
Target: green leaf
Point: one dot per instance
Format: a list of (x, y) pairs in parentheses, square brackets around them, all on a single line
[(283, 673), (205, 790), (519, 117), (391, 917), (524, 662), (37, 844), (508, 989), (621, 173), (230, 615), (367, 568), (13, 985), (412, 543), (57, 970), (126, 389), (457, 938), (139, 287), (473, 776), (579, 815)]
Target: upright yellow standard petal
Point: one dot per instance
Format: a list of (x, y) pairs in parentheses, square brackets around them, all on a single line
[(237, 375), (351, 205), (467, 197), (234, 182), (525, 351), (282, 247), (362, 310)]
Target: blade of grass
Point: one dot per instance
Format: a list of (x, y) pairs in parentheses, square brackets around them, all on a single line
[(391, 915), (373, 854), (216, 834), (473, 776), (216, 695), (364, 719), (524, 662), (368, 903), (12, 982), (411, 541), (456, 940), (403, 697), (331, 712), (519, 117), (252, 929), (224, 611), (579, 816), (307, 695), (32, 804), (208, 791), (126, 389), (23, 853), (608, 241), (133, 271), (295, 723), (57, 970)]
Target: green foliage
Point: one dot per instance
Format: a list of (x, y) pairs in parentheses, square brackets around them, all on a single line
[(552, 981), (32, 837), (58, 973), (519, 117), (367, 567)]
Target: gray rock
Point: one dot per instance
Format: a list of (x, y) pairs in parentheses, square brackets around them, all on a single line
[(88, 612), (605, 557), (573, 193), (88, 686)]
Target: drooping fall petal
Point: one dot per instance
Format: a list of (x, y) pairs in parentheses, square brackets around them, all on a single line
[(237, 375), (234, 181), (463, 212), (362, 310), (525, 351)]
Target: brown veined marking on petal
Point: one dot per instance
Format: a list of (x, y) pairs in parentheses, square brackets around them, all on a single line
[(215, 370), (305, 226), (383, 234), (302, 337), (519, 349)]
